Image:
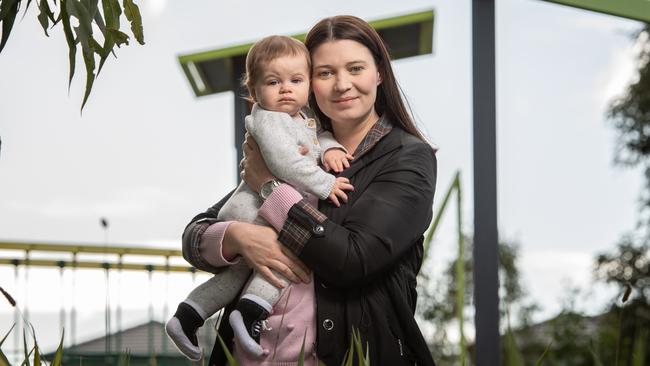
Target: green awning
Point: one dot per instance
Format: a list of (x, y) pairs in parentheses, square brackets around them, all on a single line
[(632, 9)]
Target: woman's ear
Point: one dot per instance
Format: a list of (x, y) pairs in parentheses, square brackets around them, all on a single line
[(379, 80)]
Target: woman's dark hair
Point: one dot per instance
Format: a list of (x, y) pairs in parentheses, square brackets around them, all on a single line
[(389, 99)]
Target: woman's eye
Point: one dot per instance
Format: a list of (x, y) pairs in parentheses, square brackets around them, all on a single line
[(324, 73), (356, 69)]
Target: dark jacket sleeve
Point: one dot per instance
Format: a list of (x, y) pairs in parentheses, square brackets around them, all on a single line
[(381, 225), (193, 233)]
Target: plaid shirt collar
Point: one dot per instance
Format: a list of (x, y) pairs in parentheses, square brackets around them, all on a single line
[(380, 129)]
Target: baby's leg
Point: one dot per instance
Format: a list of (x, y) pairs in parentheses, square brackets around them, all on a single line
[(252, 309), (220, 290), (203, 302)]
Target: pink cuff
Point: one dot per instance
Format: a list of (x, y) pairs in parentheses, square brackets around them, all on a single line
[(212, 244), (275, 209)]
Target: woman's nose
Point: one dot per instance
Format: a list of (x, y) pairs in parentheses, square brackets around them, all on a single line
[(342, 83)]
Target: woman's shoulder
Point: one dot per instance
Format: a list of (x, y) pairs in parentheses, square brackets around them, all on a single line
[(411, 144)]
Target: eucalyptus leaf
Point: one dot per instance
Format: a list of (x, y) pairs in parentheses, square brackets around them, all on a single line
[(100, 21), (91, 6), (109, 43), (29, 2), (97, 48), (112, 12), (8, 12), (7, 7), (69, 37), (119, 38), (112, 36), (84, 34), (132, 13), (89, 60), (45, 15), (87, 14)]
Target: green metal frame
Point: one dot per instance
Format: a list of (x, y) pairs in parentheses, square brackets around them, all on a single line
[(188, 61), (632, 9), (459, 268), (75, 249)]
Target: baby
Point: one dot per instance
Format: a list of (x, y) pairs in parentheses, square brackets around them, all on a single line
[(278, 70)]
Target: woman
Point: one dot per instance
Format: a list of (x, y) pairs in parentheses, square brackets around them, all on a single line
[(365, 255)]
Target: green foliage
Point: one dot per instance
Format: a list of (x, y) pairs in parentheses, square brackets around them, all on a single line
[(631, 112), (355, 351), (89, 17), (3, 359), (36, 359), (436, 298), (125, 358), (512, 353), (229, 357), (628, 267), (640, 349)]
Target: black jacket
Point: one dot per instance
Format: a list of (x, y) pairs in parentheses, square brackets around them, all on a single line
[(366, 262)]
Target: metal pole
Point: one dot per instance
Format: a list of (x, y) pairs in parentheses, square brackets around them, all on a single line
[(73, 308), (486, 280), (241, 107), (118, 312)]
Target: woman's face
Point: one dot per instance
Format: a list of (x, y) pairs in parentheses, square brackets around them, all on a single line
[(344, 82)]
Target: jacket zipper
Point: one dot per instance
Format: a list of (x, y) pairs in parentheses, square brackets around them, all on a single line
[(399, 343)]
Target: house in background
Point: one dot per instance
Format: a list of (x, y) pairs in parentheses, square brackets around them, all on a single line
[(146, 344)]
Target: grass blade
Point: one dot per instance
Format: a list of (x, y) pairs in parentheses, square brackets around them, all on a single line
[(226, 351), (6, 335), (3, 359), (26, 361), (594, 355), (58, 355), (37, 355), (301, 355), (541, 358), (356, 337), (125, 358)]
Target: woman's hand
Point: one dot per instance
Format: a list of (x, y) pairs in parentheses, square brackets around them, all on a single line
[(253, 167), (262, 251)]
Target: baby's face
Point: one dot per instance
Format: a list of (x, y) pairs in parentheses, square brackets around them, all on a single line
[(284, 86)]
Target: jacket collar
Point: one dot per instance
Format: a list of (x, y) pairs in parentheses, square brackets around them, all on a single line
[(387, 142), (380, 129)]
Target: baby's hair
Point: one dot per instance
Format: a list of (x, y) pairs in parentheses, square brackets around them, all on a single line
[(266, 50)]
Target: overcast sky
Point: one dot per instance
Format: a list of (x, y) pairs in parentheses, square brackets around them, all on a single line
[(148, 155)]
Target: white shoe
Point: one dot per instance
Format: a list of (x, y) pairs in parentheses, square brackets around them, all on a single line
[(184, 345)]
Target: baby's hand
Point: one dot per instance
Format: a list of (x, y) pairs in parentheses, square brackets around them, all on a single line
[(336, 160), (340, 185)]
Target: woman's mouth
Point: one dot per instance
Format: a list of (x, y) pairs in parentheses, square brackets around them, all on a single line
[(344, 100)]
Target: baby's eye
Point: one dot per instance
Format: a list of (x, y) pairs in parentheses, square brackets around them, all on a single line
[(296, 81), (272, 82)]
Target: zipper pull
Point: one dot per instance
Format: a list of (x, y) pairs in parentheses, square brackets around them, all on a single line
[(399, 343)]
